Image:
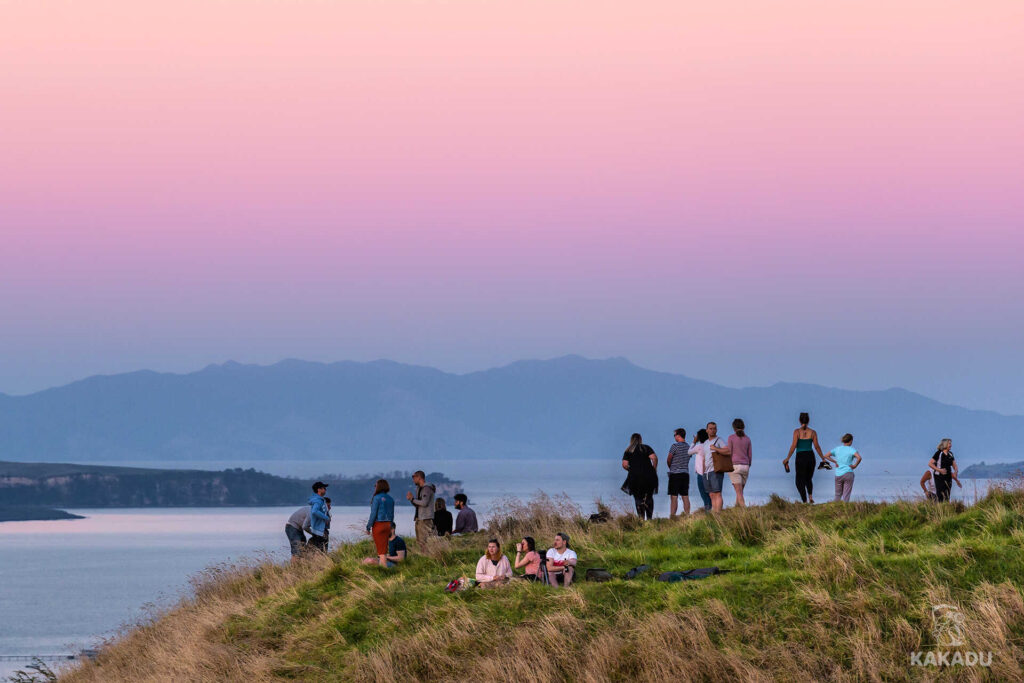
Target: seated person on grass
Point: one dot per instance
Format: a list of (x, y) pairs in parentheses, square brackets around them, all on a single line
[(561, 561), (528, 557), (396, 549), (493, 568)]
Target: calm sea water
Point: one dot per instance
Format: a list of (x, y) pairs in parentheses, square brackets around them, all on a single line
[(64, 585)]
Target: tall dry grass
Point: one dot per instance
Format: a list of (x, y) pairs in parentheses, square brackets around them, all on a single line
[(839, 611), (185, 642)]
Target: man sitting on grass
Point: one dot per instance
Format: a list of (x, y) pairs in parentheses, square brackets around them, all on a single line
[(396, 549), (561, 561)]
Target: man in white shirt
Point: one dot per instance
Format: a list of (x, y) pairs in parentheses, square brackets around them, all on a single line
[(561, 561)]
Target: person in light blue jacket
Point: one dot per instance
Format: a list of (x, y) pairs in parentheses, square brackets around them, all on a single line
[(382, 516), (319, 516)]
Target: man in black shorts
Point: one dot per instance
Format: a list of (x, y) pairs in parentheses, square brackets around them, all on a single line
[(679, 473)]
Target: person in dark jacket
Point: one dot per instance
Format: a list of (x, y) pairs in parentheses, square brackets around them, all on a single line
[(466, 522), (442, 518), (641, 463)]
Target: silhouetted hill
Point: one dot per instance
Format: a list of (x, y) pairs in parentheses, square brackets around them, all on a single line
[(568, 406)]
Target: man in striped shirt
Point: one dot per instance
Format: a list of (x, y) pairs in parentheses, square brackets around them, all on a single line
[(678, 462)]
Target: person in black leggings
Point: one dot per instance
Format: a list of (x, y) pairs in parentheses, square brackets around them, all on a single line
[(805, 442), (641, 465), (944, 470)]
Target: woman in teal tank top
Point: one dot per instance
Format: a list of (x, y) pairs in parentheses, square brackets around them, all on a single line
[(805, 442)]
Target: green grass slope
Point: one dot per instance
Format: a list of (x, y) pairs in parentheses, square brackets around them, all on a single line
[(827, 592)]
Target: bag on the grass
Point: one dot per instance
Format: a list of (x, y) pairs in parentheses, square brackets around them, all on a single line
[(598, 575), (637, 571), (691, 574)]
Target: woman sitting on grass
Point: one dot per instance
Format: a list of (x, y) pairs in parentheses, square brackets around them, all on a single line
[(493, 568), (527, 548)]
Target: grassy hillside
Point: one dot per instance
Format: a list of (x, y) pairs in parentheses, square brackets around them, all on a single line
[(830, 592)]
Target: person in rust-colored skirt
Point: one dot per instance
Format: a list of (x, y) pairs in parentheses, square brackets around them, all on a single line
[(382, 514)]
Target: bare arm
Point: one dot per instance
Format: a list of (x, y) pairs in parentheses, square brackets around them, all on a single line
[(523, 562), (857, 460), (625, 464), (924, 480), (792, 447), (933, 465), (397, 557), (654, 459), (814, 435)]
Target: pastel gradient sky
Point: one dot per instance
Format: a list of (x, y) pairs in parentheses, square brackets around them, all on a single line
[(744, 192)]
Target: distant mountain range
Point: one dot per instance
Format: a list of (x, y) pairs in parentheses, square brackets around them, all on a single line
[(566, 407)]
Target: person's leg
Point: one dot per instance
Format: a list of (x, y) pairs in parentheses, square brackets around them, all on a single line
[(738, 478), (804, 472), (703, 491), (848, 486), (569, 573), (650, 505), (801, 479), (638, 502), (673, 506), (839, 489), (942, 488)]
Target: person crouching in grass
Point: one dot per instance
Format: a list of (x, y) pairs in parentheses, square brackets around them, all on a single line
[(493, 568)]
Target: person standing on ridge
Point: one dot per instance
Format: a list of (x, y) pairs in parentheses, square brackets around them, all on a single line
[(319, 516), (424, 503), (641, 465), (678, 463), (382, 517), (846, 459), (805, 442), (739, 448), (944, 470)]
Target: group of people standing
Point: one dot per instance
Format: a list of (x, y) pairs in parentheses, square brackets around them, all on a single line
[(712, 458), (431, 518), (709, 458)]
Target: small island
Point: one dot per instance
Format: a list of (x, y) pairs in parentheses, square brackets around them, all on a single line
[(60, 485), (998, 470), (33, 513)]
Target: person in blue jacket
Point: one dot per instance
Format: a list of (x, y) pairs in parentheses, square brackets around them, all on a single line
[(319, 517)]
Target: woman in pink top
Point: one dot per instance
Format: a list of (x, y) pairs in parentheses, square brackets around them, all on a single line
[(527, 556), (493, 567), (740, 449)]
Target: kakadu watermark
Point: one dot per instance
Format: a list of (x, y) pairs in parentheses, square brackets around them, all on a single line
[(948, 628)]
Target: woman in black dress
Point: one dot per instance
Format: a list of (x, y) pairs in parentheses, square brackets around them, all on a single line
[(641, 465), (944, 469)]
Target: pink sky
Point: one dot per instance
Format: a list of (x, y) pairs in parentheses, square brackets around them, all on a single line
[(186, 182)]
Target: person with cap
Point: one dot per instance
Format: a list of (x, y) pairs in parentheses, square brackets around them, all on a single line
[(319, 516)]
